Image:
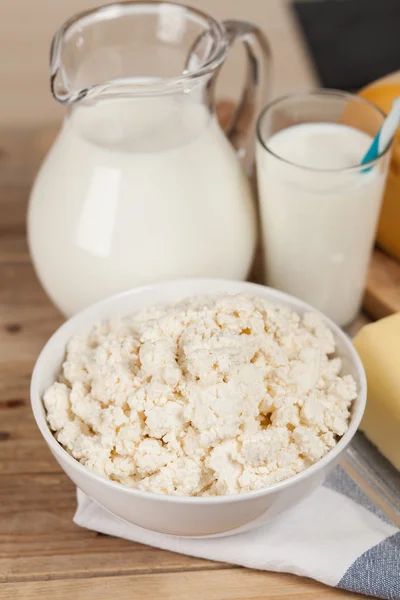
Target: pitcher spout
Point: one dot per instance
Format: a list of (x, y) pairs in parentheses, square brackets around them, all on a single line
[(109, 51), (61, 84)]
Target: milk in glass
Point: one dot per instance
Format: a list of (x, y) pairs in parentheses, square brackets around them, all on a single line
[(319, 214)]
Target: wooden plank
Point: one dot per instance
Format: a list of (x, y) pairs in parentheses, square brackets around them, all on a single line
[(38, 539), (27, 318), (22, 448), (97, 559), (235, 584), (382, 295)]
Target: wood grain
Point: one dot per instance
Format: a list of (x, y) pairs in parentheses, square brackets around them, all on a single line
[(39, 540), (382, 295), (22, 451), (232, 584)]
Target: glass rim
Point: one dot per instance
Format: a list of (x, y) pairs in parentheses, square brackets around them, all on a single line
[(320, 92), (131, 7)]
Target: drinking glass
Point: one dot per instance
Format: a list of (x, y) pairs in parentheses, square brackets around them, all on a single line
[(319, 223)]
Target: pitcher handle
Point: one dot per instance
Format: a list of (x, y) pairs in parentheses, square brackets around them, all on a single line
[(241, 129)]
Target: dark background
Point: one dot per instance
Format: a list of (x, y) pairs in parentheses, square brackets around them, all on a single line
[(353, 42)]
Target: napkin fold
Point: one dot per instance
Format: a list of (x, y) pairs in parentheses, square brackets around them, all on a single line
[(337, 536)]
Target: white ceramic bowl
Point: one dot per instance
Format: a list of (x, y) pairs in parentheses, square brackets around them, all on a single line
[(181, 515)]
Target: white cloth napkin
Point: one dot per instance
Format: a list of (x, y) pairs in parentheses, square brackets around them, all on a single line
[(336, 536)]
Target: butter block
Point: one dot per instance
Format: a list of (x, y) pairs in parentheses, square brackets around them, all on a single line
[(378, 345)]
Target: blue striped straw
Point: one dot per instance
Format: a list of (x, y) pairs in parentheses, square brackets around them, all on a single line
[(385, 135)]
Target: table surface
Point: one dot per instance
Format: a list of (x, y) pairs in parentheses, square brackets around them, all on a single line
[(42, 553)]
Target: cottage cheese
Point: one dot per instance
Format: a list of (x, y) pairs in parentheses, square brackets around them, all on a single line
[(214, 395)]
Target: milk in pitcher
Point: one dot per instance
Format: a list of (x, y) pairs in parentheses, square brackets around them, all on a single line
[(136, 191)]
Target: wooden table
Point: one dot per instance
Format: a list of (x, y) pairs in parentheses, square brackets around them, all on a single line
[(42, 553)]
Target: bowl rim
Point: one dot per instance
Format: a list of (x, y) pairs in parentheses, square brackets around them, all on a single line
[(58, 450)]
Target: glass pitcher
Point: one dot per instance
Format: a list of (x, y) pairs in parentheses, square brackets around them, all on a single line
[(142, 184)]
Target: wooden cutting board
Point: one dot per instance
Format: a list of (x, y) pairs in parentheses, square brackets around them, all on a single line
[(382, 294)]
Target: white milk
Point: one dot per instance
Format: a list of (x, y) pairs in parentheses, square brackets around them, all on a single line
[(134, 192), (319, 224)]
